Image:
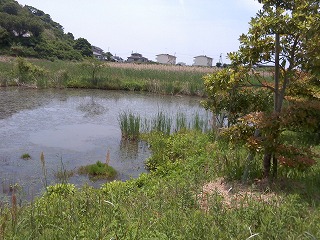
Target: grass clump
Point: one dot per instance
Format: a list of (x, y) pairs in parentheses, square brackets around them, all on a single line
[(129, 125), (25, 156), (98, 170)]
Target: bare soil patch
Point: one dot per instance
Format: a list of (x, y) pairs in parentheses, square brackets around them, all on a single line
[(235, 194)]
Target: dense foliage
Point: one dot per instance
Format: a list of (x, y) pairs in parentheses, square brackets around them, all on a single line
[(263, 108), (29, 32)]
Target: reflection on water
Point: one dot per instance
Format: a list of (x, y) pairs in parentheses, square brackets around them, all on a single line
[(77, 137), (73, 128), (129, 149), (92, 108)]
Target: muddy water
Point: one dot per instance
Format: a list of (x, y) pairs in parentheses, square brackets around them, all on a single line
[(72, 128)]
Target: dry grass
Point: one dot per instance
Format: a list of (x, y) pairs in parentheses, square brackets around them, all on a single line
[(235, 194), (7, 59), (162, 67)]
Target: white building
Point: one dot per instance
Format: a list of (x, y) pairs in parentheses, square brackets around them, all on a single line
[(166, 59), (203, 61)]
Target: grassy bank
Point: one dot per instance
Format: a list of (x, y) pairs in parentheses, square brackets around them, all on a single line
[(154, 78), (190, 194)]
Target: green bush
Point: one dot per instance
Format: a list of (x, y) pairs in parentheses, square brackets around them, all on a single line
[(29, 73)]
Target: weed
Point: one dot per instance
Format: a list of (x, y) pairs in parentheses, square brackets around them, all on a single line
[(25, 156)]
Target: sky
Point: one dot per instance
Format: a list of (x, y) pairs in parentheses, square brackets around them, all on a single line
[(184, 28)]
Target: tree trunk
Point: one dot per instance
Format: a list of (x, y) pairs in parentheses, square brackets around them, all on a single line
[(249, 160), (266, 164), (274, 166), (277, 74), (276, 109)]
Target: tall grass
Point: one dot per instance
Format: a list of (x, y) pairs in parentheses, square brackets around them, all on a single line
[(129, 125), (132, 125), (155, 78), (161, 123)]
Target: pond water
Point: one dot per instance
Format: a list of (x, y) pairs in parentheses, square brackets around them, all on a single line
[(73, 128)]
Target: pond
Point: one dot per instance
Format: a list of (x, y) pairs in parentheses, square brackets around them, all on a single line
[(73, 128)]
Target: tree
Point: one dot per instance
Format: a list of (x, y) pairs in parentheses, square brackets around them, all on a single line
[(4, 37), (280, 34), (70, 36), (108, 56), (93, 67), (11, 8), (82, 45)]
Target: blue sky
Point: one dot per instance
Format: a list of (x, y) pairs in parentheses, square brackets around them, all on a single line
[(184, 28)]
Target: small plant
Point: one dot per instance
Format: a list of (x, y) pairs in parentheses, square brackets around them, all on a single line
[(98, 170), (25, 156), (62, 174), (60, 189)]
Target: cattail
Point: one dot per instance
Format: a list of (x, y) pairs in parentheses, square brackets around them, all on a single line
[(42, 159), (108, 157), (44, 171), (14, 207)]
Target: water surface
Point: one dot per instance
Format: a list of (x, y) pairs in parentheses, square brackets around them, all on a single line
[(73, 128)]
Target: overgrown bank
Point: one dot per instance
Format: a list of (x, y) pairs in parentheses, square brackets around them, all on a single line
[(168, 202), (101, 75)]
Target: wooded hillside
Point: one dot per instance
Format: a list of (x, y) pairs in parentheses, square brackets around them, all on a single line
[(29, 32)]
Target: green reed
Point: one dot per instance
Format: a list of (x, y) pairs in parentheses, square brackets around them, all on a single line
[(161, 123), (129, 125), (181, 121)]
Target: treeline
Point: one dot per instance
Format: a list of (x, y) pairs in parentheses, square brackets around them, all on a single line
[(29, 32)]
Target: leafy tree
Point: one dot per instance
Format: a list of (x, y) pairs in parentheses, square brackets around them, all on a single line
[(11, 8), (93, 67), (4, 36), (82, 45), (108, 56), (218, 64), (70, 35), (286, 34)]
